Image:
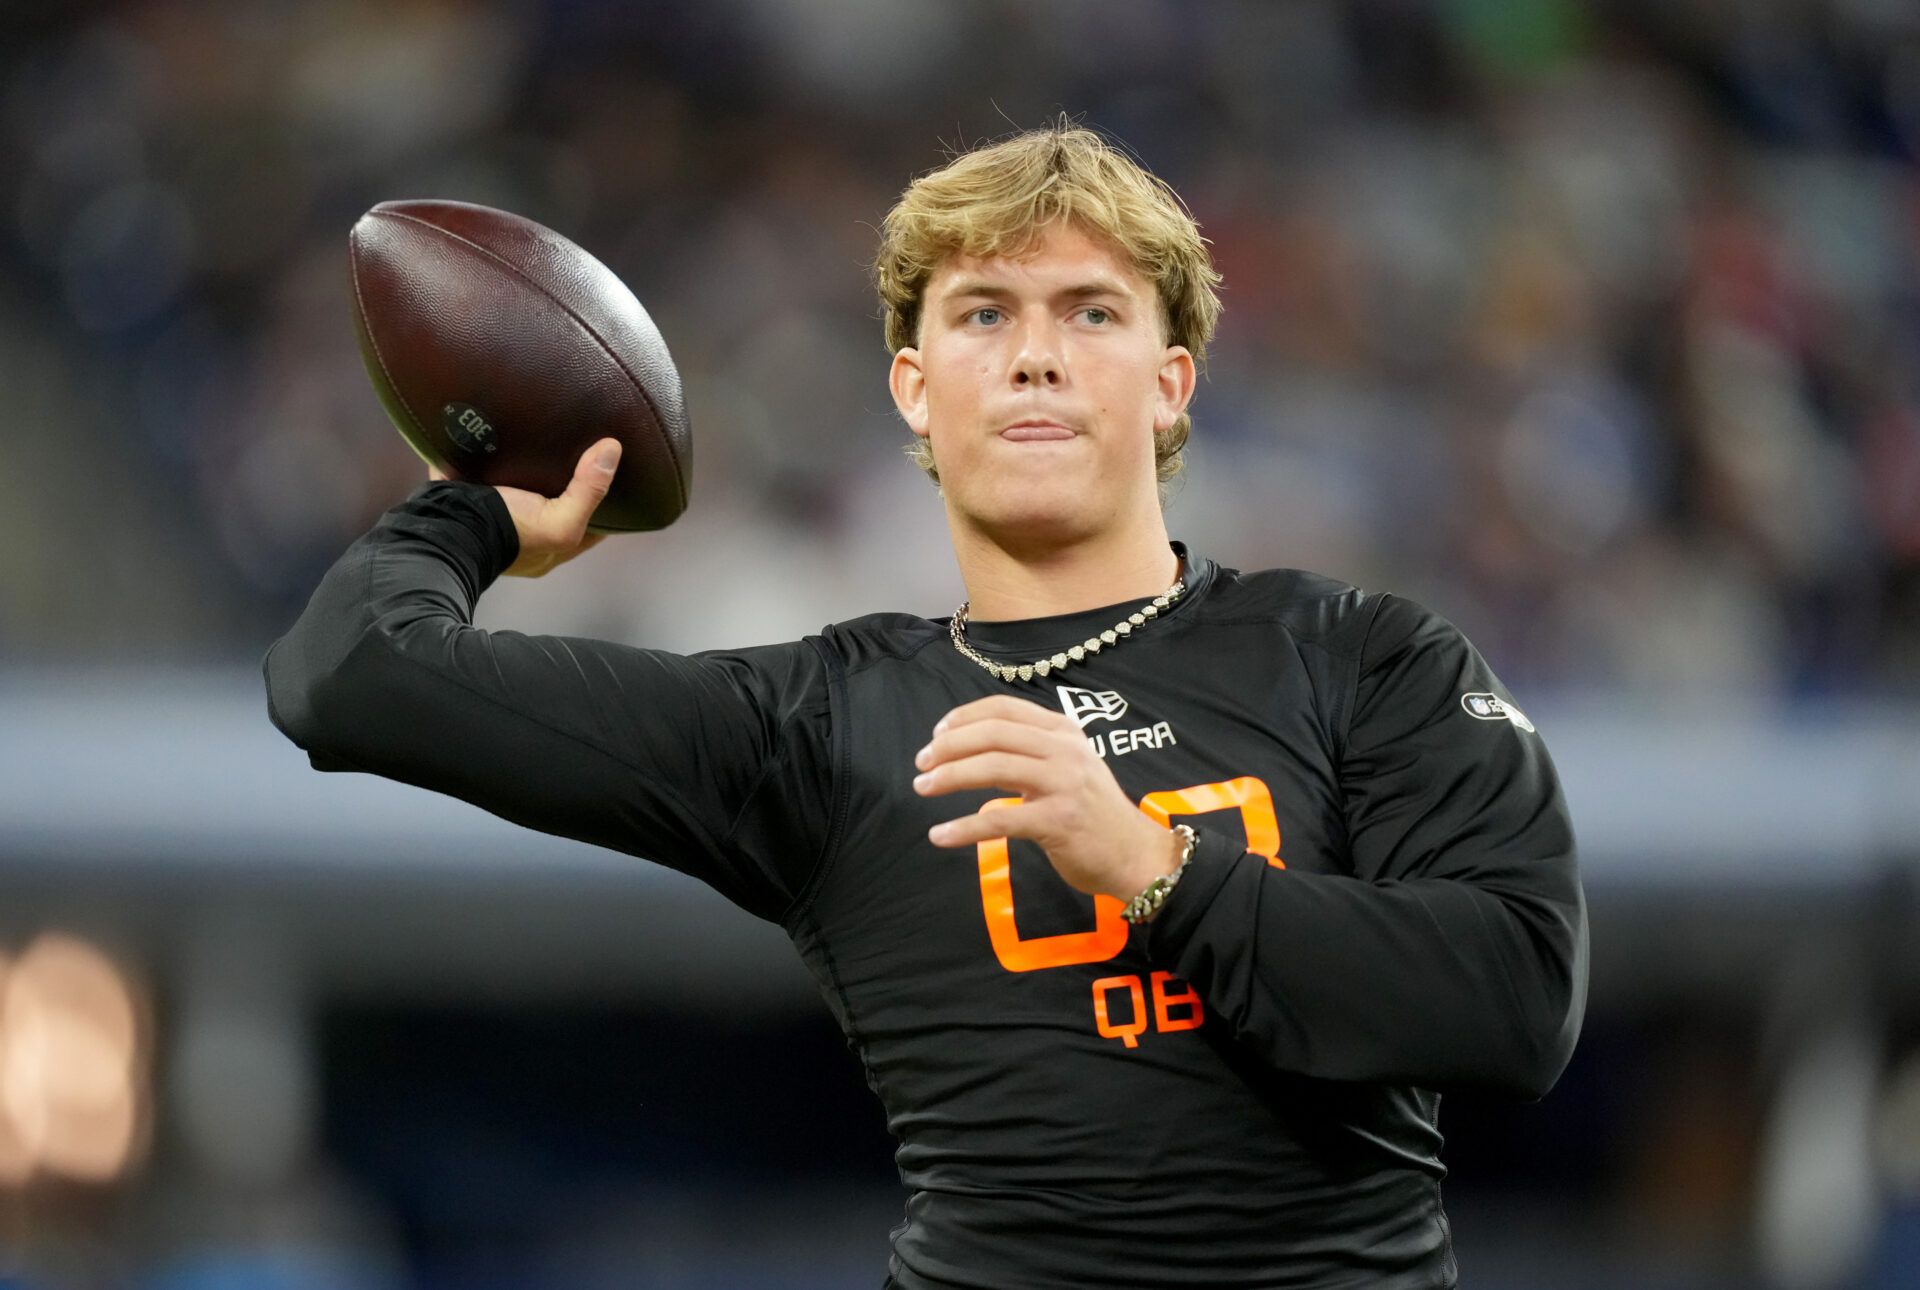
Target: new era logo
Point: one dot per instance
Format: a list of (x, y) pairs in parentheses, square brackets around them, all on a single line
[(1089, 705)]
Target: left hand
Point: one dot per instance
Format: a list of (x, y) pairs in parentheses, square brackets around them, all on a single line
[(1074, 808)]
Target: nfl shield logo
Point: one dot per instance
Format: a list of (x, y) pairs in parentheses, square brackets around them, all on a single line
[(1491, 707)]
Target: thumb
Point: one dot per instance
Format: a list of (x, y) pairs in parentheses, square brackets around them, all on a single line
[(592, 476)]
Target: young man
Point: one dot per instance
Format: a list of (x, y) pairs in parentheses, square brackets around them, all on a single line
[(1157, 899)]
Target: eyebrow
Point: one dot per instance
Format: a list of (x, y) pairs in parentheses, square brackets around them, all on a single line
[(1092, 288)]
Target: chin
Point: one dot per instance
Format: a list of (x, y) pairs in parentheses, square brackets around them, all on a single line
[(1023, 515)]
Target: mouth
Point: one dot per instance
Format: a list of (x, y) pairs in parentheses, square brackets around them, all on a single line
[(1035, 429)]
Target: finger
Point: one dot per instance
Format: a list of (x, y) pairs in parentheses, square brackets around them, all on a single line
[(434, 472), (1028, 776), (993, 822), (1011, 707), (592, 476), (983, 736)]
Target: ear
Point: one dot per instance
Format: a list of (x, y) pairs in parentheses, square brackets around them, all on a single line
[(1174, 387), (908, 382)]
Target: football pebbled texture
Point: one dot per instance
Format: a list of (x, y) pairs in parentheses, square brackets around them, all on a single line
[(502, 351)]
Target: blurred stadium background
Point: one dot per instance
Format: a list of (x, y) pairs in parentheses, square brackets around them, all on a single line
[(1593, 325)]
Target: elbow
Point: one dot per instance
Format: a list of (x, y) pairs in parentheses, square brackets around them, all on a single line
[(1542, 1057), (289, 694), (321, 708), (1544, 967), (1548, 1031), (1526, 1059)]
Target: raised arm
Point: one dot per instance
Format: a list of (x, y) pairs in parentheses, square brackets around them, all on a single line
[(715, 764), (1456, 953)]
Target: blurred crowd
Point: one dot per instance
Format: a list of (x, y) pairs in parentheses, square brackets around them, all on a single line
[(1591, 325)]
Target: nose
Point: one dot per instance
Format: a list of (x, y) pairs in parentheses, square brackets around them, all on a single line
[(1040, 360)]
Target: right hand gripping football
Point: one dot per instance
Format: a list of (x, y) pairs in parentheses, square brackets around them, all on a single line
[(553, 530)]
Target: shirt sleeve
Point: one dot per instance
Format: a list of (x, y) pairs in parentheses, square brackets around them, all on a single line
[(1455, 952), (715, 764)]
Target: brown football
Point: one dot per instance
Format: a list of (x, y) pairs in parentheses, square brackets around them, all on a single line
[(502, 351)]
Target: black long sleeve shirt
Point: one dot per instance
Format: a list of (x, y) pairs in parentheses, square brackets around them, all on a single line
[(1383, 902)]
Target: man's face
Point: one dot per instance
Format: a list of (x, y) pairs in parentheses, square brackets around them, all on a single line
[(1039, 383)]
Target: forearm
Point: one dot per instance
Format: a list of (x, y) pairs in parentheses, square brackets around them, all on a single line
[(384, 672), (406, 587), (707, 763), (1436, 982)]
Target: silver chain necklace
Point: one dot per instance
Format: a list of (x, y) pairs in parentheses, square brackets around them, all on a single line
[(1072, 654)]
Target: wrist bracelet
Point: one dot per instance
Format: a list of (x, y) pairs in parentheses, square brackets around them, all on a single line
[(1144, 906)]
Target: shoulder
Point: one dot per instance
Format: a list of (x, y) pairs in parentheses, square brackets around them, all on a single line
[(1402, 630), (1338, 616), (845, 646), (1312, 608), (860, 642)]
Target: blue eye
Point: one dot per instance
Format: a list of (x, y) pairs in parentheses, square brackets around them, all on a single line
[(1095, 314), (986, 314)]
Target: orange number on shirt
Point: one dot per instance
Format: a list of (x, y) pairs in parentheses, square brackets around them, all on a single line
[(1109, 934), (1248, 794), (1017, 954)]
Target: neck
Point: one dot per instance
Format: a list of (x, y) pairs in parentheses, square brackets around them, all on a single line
[(1011, 582)]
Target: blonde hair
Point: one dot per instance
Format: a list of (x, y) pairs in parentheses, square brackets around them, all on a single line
[(995, 201)]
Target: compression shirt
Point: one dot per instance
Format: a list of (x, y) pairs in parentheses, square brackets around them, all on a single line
[(1382, 904)]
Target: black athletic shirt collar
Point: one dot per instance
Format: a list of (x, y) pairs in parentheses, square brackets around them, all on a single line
[(1030, 637)]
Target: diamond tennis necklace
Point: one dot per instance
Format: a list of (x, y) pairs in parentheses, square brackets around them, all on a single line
[(1072, 654)]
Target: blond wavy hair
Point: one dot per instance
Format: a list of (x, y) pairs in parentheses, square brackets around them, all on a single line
[(995, 200)]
